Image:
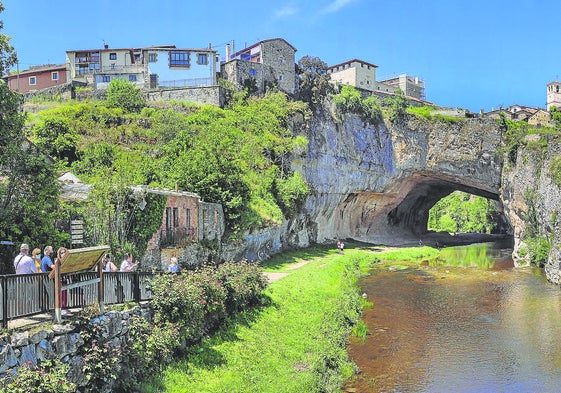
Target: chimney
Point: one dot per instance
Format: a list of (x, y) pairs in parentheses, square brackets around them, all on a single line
[(105, 46), (176, 187), (227, 52)]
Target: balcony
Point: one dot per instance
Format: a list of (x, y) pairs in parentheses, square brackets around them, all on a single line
[(178, 237)]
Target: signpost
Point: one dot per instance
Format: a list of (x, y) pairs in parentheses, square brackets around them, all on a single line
[(75, 261)]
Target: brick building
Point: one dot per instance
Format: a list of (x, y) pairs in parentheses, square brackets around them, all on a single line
[(37, 77)]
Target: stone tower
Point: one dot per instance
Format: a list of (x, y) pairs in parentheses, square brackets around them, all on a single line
[(554, 95)]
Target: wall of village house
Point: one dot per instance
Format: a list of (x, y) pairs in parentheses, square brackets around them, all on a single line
[(211, 221), (278, 55), (211, 95), (238, 71)]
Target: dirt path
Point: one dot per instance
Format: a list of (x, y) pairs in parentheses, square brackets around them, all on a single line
[(274, 276)]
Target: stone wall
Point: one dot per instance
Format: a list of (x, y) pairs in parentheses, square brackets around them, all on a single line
[(202, 95), (63, 342)]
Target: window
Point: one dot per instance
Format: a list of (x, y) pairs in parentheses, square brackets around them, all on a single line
[(178, 59), (112, 56), (175, 217), (202, 58), (188, 218), (54, 75), (132, 78), (32, 80), (113, 66), (152, 57), (106, 78)]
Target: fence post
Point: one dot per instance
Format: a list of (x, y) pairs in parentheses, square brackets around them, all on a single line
[(136, 293), (56, 270), (100, 290), (4, 302)]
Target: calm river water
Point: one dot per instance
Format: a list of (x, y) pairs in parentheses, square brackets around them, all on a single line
[(467, 323)]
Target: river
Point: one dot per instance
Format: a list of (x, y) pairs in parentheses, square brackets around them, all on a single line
[(467, 322)]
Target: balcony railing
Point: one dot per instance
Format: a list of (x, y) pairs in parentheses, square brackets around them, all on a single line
[(30, 294), (180, 236), (194, 82)]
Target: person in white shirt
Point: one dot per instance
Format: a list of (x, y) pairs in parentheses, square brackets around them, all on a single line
[(23, 263), (127, 265)]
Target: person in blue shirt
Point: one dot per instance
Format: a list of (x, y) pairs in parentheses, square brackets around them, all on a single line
[(173, 267), (47, 263)]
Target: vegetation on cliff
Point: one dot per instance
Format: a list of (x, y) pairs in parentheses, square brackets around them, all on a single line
[(460, 212)]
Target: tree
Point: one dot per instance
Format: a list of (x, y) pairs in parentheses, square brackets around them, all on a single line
[(555, 116), (8, 55), (398, 106), (55, 137), (313, 78), (123, 94)]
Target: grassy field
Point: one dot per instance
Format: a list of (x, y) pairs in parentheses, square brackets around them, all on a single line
[(295, 343)]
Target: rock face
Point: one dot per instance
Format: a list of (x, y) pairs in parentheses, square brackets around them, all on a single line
[(532, 201), (377, 183)]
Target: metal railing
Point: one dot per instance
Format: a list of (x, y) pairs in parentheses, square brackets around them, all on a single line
[(180, 236), (23, 295), (194, 82)]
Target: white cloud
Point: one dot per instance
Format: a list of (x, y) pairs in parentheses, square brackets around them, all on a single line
[(335, 6), (286, 11)]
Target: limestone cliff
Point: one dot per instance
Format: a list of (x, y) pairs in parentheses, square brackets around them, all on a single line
[(376, 183), (532, 200)]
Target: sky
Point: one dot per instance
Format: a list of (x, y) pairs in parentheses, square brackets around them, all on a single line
[(471, 54)]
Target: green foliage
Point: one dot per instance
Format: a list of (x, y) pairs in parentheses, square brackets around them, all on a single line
[(397, 107), (244, 283), (123, 94), (426, 111), (55, 137), (28, 191), (47, 378), (150, 348), (462, 212), (8, 55), (313, 80), (555, 170), (555, 116), (349, 99), (292, 192)]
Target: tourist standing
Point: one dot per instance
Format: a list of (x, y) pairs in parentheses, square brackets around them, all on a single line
[(47, 263), (173, 267), (36, 256), (108, 266), (23, 263), (127, 265)]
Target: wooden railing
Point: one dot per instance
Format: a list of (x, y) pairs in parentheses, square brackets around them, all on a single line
[(24, 295)]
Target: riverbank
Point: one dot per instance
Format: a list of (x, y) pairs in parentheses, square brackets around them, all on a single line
[(295, 343)]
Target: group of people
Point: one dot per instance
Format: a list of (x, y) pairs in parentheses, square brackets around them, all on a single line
[(26, 264), (126, 266), (340, 246)]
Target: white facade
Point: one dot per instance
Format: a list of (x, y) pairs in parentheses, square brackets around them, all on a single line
[(356, 73), (176, 67), (553, 95)]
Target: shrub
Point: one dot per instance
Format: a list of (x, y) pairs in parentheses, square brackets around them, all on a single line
[(47, 378), (555, 170), (350, 100), (123, 94), (244, 282)]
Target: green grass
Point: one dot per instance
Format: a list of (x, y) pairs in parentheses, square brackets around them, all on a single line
[(296, 343)]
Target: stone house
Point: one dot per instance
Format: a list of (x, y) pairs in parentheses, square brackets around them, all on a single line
[(36, 78), (411, 86), (358, 73), (267, 62)]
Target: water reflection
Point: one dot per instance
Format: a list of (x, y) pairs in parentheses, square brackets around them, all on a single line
[(452, 329)]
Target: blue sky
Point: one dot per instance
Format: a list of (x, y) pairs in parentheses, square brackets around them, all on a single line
[(472, 54)]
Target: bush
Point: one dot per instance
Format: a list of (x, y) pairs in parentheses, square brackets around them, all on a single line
[(350, 100), (244, 282), (123, 94), (48, 378)]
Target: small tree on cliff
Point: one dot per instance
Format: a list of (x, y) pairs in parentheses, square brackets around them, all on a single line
[(314, 83)]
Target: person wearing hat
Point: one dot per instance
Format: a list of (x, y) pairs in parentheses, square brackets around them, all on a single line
[(23, 263)]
